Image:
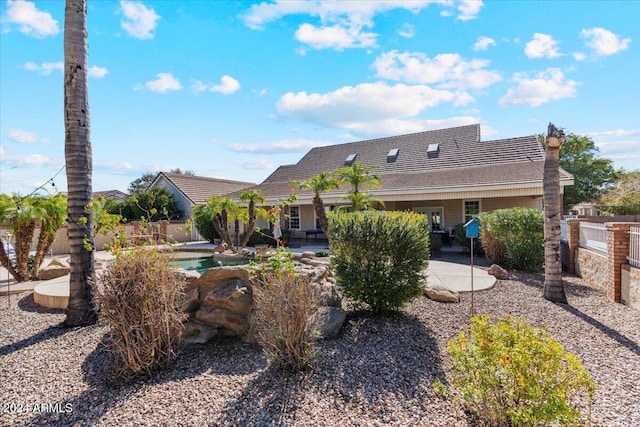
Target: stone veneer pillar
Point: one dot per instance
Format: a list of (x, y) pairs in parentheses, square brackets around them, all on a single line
[(573, 241), (617, 250)]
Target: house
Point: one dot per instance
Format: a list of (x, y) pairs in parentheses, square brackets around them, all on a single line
[(451, 175), (116, 195), (191, 191)]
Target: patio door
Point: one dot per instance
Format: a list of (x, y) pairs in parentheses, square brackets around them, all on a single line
[(435, 217)]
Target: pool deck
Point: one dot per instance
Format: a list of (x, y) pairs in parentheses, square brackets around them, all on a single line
[(54, 293)]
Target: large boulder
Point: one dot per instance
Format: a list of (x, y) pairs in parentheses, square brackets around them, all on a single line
[(216, 277), (328, 321), (234, 295), (198, 333), (442, 294), (227, 322), (54, 269), (498, 272)]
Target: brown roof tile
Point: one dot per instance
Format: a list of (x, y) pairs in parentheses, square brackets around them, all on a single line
[(199, 188)]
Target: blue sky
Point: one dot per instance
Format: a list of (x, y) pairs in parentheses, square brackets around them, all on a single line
[(235, 89)]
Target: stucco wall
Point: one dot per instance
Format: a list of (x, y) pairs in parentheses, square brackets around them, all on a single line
[(592, 267), (631, 286)]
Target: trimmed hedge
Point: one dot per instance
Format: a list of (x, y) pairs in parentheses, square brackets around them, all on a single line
[(379, 256)]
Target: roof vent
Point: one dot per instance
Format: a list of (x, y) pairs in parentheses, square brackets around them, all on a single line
[(433, 150), (393, 155), (350, 159)]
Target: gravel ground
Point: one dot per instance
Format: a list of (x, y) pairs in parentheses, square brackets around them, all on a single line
[(378, 371)]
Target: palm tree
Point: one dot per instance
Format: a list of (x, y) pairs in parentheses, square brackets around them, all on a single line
[(320, 183), (218, 208), (54, 210), (81, 309), (360, 179), (23, 215), (253, 197), (553, 288)]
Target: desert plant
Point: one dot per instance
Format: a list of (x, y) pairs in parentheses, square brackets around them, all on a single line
[(509, 373), (284, 306), (138, 296), (513, 237), (379, 256)]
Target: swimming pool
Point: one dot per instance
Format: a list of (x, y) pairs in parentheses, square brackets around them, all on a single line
[(201, 261)]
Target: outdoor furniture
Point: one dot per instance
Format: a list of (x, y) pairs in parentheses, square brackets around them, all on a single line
[(314, 232)]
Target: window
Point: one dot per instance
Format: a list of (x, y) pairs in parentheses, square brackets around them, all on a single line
[(392, 156), (294, 217), (351, 158), (471, 209)]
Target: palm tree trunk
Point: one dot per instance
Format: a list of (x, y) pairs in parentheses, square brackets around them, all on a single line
[(318, 205), (81, 309), (45, 240), (553, 288)]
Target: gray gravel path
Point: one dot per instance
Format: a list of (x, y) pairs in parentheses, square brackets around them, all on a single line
[(378, 372)]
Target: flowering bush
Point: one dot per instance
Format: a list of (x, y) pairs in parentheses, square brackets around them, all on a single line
[(512, 374)]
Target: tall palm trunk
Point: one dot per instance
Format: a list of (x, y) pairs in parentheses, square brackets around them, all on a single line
[(553, 288), (81, 310), (22, 247)]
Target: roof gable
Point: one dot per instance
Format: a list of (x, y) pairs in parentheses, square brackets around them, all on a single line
[(199, 188)]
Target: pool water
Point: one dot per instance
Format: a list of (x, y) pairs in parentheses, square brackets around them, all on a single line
[(201, 261)]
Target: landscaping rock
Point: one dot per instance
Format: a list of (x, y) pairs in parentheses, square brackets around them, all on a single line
[(328, 296), (234, 295), (307, 254), (216, 277), (55, 268), (198, 333), (498, 272), (328, 321), (442, 294), (190, 301), (227, 322), (220, 248)]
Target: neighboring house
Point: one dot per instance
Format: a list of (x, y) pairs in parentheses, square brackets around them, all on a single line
[(116, 195), (449, 174), (191, 191)]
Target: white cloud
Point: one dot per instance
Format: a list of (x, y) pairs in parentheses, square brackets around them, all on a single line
[(469, 9), (367, 109), (579, 56), (140, 22), (35, 160), (604, 42), (277, 147), (335, 37), (619, 147), (30, 20), (97, 72), (407, 31), (46, 68), (542, 46), (483, 43), (447, 70), (548, 85), (227, 86), (614, 133), (24, 137), (254, 164), (164, 83), (342, 22)]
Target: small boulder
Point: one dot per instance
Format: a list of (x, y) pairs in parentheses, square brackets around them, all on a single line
[(442, 294), (498, 272), (197, 333), (328, 321), (54, 269), (307, 254), (235, 296), (220, 248)]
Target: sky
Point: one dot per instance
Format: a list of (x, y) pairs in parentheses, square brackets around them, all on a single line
[(234, 89)]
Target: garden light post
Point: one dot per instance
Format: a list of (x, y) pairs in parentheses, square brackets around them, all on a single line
[(472, 230)]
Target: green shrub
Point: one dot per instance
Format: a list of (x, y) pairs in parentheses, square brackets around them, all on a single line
[(378, 256), (204, 225), (322, 254), (138, 295), (512, 374), (514, 237), (284, 306), (461, 239)]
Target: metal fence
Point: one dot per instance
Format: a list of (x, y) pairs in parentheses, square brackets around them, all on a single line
[(593, 236), (634, 246)]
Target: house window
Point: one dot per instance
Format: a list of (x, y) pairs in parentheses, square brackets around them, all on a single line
[(471, 209), (294, 217)]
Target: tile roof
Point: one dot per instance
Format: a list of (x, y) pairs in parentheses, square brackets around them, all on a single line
[(199, 188), (462, 160)]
